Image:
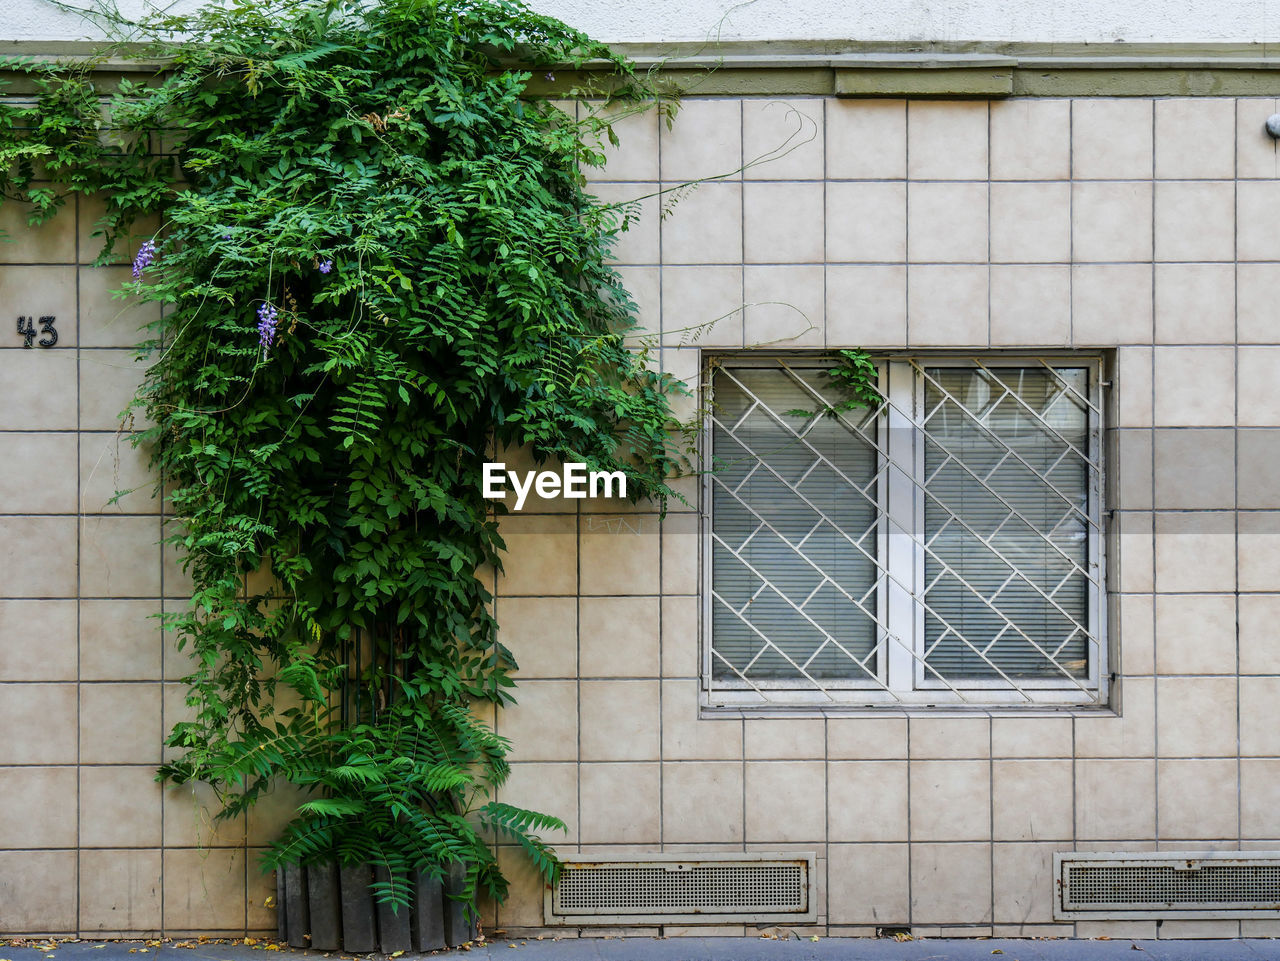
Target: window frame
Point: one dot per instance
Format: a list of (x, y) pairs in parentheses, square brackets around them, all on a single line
[(901, 683)]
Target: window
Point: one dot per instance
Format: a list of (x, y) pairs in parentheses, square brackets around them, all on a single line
[(944, 549)]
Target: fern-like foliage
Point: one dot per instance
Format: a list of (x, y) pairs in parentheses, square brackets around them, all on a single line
[(376, 260)]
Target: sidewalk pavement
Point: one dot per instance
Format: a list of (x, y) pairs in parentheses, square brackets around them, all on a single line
[(686, 949)]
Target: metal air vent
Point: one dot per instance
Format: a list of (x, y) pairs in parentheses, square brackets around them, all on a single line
[(1181, 884), (671, 889)]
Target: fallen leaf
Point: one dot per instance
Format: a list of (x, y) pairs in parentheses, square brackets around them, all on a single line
[(814, 938), (396, 954)]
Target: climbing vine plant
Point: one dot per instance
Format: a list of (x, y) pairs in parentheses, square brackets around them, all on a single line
[(376, 261)]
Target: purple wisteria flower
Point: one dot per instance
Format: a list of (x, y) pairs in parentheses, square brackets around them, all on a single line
[(326, 266), (266, 325), (146, 254)]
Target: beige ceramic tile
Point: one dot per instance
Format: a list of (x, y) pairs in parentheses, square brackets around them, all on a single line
[(53, 242), (866, 139), (1031, 800), (549, 788), (1198, 799), (867, 738), (1258, 371), (866, 306), (119, 807), (1130, 733), (947, 140), (1195, 138), (947, 305), (36, 293), (37, 388), (1130, 464), (950, 737), (1196, 716), (120, 723), (1111, 139), (204, 890), (636, 155), (107, 321), (866, 222), (1136, 554), (1030, 139), (621, 720), (542, 556), (702, 306), (681, 547), (704, 141), (964, 897), (1258, 550), (619, 636), (1195, 552), (120, 557), (686, 736), (543, 723), (1180, 398), (635, 218), (523, 905), (542, 633), (1111, 221), (782, 739), (1259, 641), (37, 473), (702, 802), (1256, 154), (1137, 634), (39, 721), (785, 305), (1030, 223), (644, 284), (40, 807), (1195, 633), (1132, 387), (620, 803), (1022, 876), (108, 381), (947, 223), (266, 819), (782, 223), (1111, 304), (703, 225), (1195, 303), (120, 892), (1259, 733), (950, 801), (1195, 220), (190, 819), (38, 640), (1259, 793), (786, 801), (783, 139), (115, 476), (868, 801), (1030, 737), (37, 888), (620, 554), (1115, 799), (1256, 315), (1257, 211), (680, 637), (91, 241), (868, 884)]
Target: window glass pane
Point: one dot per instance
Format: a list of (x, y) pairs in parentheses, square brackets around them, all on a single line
[(793, 521), (1006, 529)]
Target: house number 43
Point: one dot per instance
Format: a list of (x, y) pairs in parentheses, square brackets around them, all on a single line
[(27, 328)]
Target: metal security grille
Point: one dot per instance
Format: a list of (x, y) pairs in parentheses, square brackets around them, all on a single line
[(943, 548), (1170, 885), (663, 890)]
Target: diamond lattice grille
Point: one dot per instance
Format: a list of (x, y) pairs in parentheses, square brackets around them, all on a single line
[(946, 541)]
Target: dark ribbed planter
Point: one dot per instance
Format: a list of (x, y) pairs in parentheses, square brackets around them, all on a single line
[(329, 908)]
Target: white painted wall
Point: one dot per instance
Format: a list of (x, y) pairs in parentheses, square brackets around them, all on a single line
[(1187, 21)]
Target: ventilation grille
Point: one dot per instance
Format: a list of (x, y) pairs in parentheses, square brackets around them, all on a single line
[(661, 890), (1182, 884)]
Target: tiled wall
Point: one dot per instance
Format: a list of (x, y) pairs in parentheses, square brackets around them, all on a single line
[(1147, 227)]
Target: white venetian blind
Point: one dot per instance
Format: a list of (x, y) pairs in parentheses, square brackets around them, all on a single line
[(793, 530), (1006, 508)]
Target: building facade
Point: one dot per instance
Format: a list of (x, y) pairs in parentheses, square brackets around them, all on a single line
[(1020, 604)]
